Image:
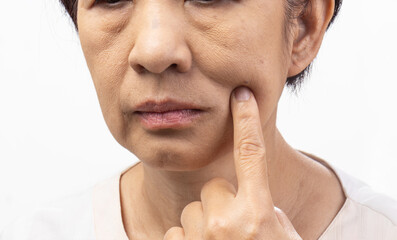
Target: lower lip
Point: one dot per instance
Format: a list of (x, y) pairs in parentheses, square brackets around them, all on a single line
[(170, 119)]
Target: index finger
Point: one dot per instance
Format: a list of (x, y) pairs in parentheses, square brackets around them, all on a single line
[(249, 145)]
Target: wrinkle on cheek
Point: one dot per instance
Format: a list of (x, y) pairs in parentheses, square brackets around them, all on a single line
[(223, 51), (233, 46), (100, 31), (114, 22), (105, 60), (106, 55)]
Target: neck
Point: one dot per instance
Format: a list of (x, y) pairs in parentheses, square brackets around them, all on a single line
[(164, 194)]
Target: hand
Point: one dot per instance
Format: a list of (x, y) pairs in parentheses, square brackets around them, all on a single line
[(248, 213)]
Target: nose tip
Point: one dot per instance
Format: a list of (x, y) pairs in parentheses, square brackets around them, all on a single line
[(158, 49), (159, 59)]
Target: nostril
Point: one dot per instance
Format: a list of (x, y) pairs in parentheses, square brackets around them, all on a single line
[(138, 68), (156, 57)]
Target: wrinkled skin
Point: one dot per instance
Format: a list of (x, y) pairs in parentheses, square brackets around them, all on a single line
[(215, 49), (199, 52)]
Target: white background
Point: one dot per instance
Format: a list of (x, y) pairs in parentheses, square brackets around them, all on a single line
[(54, 142)]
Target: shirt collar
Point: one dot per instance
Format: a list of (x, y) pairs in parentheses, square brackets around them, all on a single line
[(108, 222)]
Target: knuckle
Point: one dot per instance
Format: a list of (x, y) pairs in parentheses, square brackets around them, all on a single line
[(263, 218), (251, 147), (251, 231), (216, 228), (256, 225)]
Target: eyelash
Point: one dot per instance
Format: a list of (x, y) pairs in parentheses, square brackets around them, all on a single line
[(107, 1), (112, 3)]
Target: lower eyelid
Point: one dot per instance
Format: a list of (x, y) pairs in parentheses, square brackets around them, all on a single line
[(105, 4)]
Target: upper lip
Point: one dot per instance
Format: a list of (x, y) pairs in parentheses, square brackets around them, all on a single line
[(164, 106)]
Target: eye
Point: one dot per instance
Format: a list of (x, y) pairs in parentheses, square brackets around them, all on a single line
[(204, 2), (107, 1), (110, 3)]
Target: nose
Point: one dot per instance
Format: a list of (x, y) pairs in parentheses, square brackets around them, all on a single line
[(160, 40)]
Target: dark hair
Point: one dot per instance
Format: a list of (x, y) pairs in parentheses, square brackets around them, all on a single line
[(292, 5)]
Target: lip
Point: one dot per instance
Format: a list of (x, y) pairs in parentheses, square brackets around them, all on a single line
[(167, 114), (164, 106)]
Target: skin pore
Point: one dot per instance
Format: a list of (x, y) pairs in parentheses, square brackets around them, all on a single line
[(198, 52)]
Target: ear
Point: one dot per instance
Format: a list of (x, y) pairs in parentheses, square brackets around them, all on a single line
[(308, 32)]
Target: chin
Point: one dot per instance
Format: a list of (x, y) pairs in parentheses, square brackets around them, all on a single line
[(175, 161), (173, 156), (188, 152)]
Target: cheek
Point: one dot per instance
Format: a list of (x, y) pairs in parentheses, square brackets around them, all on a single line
[(237, 51), (104, 44), (105, 54), (228, 50)]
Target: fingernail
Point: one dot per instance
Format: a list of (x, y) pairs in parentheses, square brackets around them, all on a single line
[(277, 209), (242, 94)]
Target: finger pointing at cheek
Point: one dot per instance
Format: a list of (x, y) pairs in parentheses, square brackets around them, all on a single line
[(248, 214), (249, 146)]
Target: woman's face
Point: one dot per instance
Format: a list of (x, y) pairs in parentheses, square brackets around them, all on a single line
[(157, 55)]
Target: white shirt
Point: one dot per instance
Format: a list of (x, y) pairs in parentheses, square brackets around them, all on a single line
[(96, 215)]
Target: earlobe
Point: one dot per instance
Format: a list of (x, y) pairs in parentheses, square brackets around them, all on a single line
[(308, 34)]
